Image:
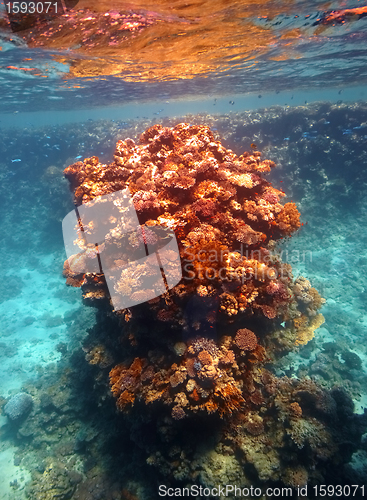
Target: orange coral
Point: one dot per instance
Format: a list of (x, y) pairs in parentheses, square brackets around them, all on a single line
[(195, 396), (289, 218), (205, 358), (125, 399), (226, 217), (211, 406), (229, 399), (295, 409), (206, 261), (227, 205)]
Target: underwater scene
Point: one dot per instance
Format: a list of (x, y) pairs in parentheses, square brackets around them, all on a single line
[(184, 250)]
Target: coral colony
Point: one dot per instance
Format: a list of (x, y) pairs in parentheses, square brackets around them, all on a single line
[(201, 351)]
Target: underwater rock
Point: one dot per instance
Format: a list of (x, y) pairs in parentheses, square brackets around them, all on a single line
[(56, 481), (18, 406), (351, 359)]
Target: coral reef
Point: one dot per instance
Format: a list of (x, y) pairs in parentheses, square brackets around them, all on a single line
[(18, 406), (226, 217), (198, 350)]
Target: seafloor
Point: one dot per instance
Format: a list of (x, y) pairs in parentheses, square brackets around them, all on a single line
[(74, 444)]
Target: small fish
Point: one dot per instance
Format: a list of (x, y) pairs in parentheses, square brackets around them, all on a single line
[(347, 131), (17, 159), (77, 157), (286, 139), (253, 145)]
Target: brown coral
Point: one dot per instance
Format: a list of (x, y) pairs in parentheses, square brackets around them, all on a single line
[(246, 235), (99, 355), (245, 339), (205, 358), (228, 357), (178, 413), (295, 410), (268, 311), (177, 378), (254, 424)]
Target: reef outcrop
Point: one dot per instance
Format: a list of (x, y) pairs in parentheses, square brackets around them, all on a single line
[(200, 351)]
